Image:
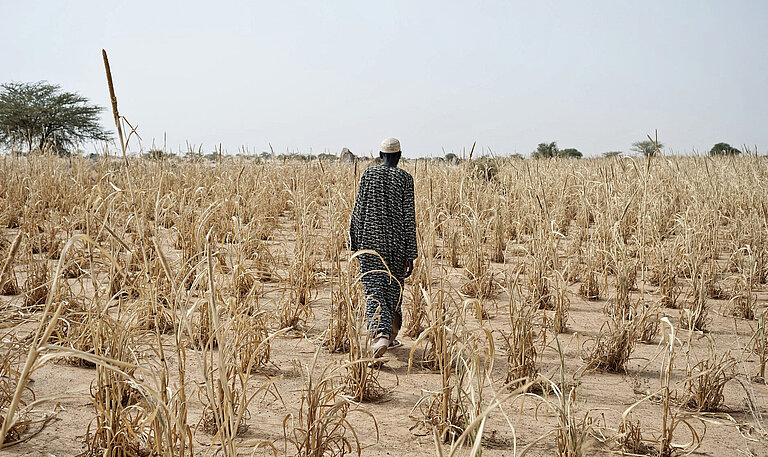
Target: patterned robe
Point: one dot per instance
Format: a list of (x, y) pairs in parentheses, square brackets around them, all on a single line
[(384, 220)]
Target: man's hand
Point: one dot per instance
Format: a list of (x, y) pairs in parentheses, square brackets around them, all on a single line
[(408, 268)]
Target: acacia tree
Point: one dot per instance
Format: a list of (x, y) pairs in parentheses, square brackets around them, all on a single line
[(646, 147), (40, 115), (570, 152)]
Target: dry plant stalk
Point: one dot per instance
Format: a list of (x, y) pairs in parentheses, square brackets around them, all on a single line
[(480, 282), (664, 275), (624, 269), (345, 301), (361, 382), (226, 392), (49, 318), (415, 311), (451, 242), (561, 303), (672, 416), (250, 338), (36, 287), (434, 337), (699, 268), (759, 344), (441, 408), (694, 315), (646, 321), (117, 426), (612, 347), (246, 289), (706, 380), (361, 377), (43, 240), (464, 361), (321, 426), (590, 287), (668, 217), (572, 428), (76, 329), (202, 333), (631, 441), (337, 335), (742, 302), (9, 377), (522, 363), (8, 284), (538, 276), (296, 309)]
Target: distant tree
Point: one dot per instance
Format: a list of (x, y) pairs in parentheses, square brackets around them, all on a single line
[(723, 149), (294, 156), (516, 155), (645, 147), (41, 115), (158, 154), (193, 155), (545, 150), (486, 168), (324, 156), (570, 152), (612, 154), (451, 157)]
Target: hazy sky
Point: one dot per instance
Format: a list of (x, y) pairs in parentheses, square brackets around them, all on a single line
[(440, 74)]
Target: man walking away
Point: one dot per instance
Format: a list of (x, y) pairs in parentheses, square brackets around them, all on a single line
[(384, 221)]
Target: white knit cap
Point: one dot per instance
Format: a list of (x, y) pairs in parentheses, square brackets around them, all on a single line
[(390, 145)]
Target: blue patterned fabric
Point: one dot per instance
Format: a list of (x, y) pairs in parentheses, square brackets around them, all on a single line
[(384, 221), (383, 302)]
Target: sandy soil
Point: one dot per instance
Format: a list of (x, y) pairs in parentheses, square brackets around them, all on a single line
[(603, 396)]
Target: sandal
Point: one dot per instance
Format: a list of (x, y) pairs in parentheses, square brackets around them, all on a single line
[(395, 344), (380, 346), (377, 363)]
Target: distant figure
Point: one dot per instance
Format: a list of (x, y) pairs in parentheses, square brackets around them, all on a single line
[(346, 156), (384, 221)]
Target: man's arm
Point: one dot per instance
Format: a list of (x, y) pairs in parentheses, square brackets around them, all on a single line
[(409, 213), (356, 222)]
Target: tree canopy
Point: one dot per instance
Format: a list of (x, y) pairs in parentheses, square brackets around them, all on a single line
[(40, 115), (722, 149), (545, 150), (570, 152), (646, 147)]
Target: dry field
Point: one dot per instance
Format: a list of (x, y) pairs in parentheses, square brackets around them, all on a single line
[(558, 307)]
